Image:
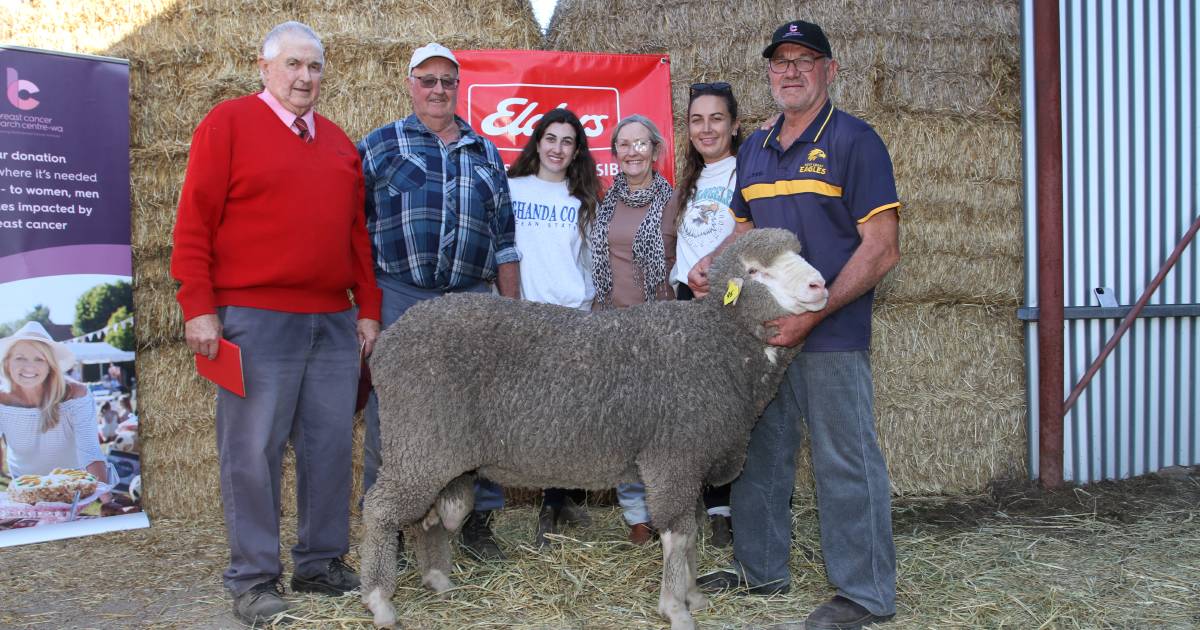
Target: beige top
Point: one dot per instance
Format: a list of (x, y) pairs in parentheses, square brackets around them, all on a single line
[(627, 281)]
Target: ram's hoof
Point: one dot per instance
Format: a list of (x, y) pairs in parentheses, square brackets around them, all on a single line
[(437, 581), (381, 608)]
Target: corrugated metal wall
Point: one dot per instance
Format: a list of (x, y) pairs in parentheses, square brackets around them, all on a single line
[(1130, 112)]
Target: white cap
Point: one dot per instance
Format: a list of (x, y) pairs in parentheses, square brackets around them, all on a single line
[(429, 51)]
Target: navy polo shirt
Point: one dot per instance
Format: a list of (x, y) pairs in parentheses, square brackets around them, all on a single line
[(836, 175)]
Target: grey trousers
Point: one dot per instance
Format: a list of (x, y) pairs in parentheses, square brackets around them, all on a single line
[(301, 374), (833, 392)]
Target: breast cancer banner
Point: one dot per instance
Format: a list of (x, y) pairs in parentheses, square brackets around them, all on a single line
[(503, 94), (66, 299)]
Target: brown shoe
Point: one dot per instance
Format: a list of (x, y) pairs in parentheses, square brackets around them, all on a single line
[(641, 534)]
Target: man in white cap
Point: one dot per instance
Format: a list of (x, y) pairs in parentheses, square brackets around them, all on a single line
[(440, 221)]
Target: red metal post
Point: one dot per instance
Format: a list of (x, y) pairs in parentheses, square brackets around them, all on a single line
[(1048, 99)]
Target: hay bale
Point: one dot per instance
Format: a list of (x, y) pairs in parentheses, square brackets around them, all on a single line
[(73, 26), (939, 80), (159, 319)]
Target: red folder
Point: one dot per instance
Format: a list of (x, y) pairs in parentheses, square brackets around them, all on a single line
[(226, 369)]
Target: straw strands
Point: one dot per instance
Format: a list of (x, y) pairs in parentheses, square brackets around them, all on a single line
[(1120, 555)]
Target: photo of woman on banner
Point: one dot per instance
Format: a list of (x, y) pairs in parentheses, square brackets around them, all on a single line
[(47, 420)]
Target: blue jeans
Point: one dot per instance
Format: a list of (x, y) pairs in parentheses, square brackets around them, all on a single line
[(833, 392), (632, 497), (398, 297)]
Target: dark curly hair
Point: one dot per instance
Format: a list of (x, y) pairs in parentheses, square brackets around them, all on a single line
[(582, 182)]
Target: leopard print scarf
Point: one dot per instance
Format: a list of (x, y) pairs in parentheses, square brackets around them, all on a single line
[(648, 250)]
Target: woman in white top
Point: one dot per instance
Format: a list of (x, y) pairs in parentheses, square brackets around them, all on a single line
[(554, 191), (705, 190), (47, 421)]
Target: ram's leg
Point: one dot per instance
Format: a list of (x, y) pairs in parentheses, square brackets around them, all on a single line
[(383, 515), (678, 580), (432, 547), (671, 499), (431, 539), (694, 598)]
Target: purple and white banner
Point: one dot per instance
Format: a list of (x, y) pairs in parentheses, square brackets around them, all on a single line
[(66, 273)]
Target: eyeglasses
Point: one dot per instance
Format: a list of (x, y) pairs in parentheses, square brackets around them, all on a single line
[(719, 87), (428, 81), (637, 146), (779, 65)]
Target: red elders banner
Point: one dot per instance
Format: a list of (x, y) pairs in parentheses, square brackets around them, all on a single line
[(505, 92)]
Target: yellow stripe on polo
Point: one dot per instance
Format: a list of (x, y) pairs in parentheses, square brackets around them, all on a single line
[(883, 208), (790, 187)]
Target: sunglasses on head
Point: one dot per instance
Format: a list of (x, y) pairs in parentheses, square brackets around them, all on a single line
[(703, 88), (428, 81)]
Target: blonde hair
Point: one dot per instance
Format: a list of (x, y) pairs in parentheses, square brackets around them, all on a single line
[(54, 389)]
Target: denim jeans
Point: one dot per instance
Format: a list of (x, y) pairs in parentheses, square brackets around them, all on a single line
[(398, 297), (632, 497), (833, 392)]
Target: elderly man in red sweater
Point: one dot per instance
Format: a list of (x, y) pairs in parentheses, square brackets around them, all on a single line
[(270, 237)]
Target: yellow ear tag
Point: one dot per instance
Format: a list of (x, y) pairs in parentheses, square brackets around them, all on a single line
[(733, 291)]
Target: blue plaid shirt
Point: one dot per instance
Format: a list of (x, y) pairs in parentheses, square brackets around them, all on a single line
[(439, 216)]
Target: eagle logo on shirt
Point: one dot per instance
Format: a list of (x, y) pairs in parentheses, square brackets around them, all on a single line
[(816, 154), (707, 210)]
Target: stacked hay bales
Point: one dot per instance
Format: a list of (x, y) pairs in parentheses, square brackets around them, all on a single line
[(940, 82), (186, 56)]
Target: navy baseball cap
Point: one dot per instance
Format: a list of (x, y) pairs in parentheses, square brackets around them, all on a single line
[(800, 32)]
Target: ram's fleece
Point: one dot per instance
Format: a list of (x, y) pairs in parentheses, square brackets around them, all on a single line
[(534, 395)]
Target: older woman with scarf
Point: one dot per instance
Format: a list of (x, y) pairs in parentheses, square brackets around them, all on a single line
[(633, 249)]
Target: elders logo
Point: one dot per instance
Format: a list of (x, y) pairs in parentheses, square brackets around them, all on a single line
[(506, 113), (15, 86)]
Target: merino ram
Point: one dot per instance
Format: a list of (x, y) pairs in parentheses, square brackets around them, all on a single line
[(534, 395)]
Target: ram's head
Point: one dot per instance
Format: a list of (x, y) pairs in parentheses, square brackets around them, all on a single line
[(762, 276)]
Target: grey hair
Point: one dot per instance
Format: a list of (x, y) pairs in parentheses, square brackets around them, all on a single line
[(270, 47), (656, 138)]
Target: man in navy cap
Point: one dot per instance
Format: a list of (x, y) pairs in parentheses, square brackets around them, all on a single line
[(826, 176)]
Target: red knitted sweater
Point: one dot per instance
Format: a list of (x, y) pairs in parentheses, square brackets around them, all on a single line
[(269, 221)]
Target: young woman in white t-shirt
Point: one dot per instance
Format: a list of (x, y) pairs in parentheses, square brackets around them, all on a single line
[(704, 192), (555, 192)]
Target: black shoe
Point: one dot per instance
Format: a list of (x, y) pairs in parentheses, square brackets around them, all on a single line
[(401, 559), (722, 530), (478, 539), (840, 613), (257, 605), (548, 518), (574, 514), (728, 581), (337, 579)]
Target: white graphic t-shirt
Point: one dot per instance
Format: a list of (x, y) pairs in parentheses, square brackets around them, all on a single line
[(707, 219), (555, 267)]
